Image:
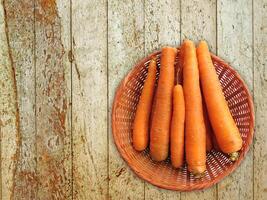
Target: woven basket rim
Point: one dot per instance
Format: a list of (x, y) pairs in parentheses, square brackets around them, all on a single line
[(188, 188)]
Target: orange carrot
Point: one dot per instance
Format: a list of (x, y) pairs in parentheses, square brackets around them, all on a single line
[(153, 106), (223, 124), (215, 143), (182, 50), (160, 128), (210, 137), (208, 127), (195, 133), (141, 121), (154, 103), (177, 127)]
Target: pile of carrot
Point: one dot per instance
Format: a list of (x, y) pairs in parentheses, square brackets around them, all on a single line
[(186, 115)]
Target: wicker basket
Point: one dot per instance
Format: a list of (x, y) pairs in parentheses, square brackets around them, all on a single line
[(162, 174)]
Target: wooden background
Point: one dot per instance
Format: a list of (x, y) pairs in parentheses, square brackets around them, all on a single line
[(60, 63)]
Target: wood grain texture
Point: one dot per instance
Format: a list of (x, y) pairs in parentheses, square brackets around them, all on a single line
[(198, 23), (235, 46), (260, 99), (207, 194), (162, 24), (89, 76), (20, 22), (125, 47), (9, 115), (162, 27), (52, 27), (153, 192)]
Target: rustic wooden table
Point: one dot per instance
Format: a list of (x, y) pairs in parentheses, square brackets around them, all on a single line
[(60, 63)]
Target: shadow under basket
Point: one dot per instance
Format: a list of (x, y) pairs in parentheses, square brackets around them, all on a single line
[(162, 174)]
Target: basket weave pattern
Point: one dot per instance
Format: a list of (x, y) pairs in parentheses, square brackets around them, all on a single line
[(162, 174)]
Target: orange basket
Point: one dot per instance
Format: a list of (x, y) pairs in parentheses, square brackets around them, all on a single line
[(162, 174)]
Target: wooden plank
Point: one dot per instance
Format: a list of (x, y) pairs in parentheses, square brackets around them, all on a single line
[(208, 194), (52, 27), (153, 192), (20, 21), (161, 30), (260, 96), (199, 22), (125, 48), (235, 46), (9, 115), (89, 76)]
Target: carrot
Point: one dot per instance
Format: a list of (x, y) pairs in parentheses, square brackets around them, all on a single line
[(160, 128), (223, 124), (195, 133), (182, 53), (211, 141), (177, 127), (208, 128), (153, 105), (141, 121), (215, 143)]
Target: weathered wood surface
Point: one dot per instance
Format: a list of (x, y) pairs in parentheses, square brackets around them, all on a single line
[(234, 36), (260, 98), (9, 121), (60, 64), (53, 97), (22, 33), (89, 112), (125, 47), (198, 21)]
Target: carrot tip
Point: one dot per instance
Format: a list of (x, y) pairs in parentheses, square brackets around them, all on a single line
[(154, 59), (188, 42), (197, 171), (169, 47), (233, 156), (178, 167), (199, 175)]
